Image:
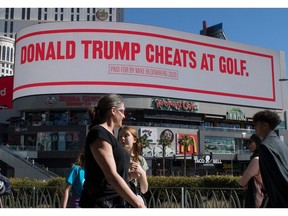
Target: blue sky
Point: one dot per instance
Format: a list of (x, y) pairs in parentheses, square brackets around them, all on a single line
[(264, 27)]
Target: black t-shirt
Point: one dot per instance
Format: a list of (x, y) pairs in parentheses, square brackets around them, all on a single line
[(95, 181)]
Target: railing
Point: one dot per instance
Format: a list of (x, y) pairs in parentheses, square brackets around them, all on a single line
[(180, 197), (30, 162)]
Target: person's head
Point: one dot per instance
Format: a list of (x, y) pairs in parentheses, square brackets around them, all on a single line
[(265, 121), (80, 158), (109, 107), (253, 143), (128, 137)]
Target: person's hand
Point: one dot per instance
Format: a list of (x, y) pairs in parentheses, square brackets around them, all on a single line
[(135, 170)]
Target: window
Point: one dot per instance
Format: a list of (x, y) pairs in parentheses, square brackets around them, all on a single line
[(39, 13), (11, 27), (6, 13), (11, 58), (5, 28), (23, 13), (8, 54), (3, 53), (12, 14), (28, 13)]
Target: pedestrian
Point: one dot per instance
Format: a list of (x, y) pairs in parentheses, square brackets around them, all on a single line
[(106, 161), (251, 179), (5, 188), (128, 137), (273, 159), (74, 182)]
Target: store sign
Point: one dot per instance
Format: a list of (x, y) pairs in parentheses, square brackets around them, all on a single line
[(150, 132), (104, 57), (192, 149), (235, 114), (72, 100), (6, 92), (207, 160), (174, 105)]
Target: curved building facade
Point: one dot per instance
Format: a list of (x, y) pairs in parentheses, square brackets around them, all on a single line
[(173, 83)]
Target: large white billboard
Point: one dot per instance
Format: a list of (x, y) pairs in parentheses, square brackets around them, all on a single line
[(104, 57)]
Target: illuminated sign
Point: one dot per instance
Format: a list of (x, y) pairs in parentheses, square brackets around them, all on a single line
[(174, 105), (192, 149), (105, 57), (235, 114), (6, 92)]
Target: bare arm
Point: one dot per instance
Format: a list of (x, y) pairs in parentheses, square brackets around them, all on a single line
[(103, 154), (251, 171), (139, 173), (65, 195)]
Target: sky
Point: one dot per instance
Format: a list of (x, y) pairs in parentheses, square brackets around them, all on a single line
[(265, 27)]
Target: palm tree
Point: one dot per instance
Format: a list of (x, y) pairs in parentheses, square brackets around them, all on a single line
[(145, 142), (186, 141), (164, 141)]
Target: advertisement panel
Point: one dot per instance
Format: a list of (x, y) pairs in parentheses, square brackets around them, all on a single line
[(104, 57), (192, 148), (6, 92)]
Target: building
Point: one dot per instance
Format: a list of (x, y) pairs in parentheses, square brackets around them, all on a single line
[(14, 19), (173, 83), (6, 56)]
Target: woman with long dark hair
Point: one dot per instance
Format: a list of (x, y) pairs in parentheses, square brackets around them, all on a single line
[(106, 161)]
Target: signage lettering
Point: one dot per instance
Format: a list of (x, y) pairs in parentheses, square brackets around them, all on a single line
[(110, 49), (3, 92), (235, 114), (172, 105), (48, 51)]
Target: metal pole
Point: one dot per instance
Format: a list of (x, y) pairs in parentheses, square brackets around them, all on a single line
[(182, 197)]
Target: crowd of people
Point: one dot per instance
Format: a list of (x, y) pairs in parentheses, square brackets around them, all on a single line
[(114, 169)]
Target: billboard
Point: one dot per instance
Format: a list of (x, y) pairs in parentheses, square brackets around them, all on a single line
[(6, 92), (192, 149), (104, 57)]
